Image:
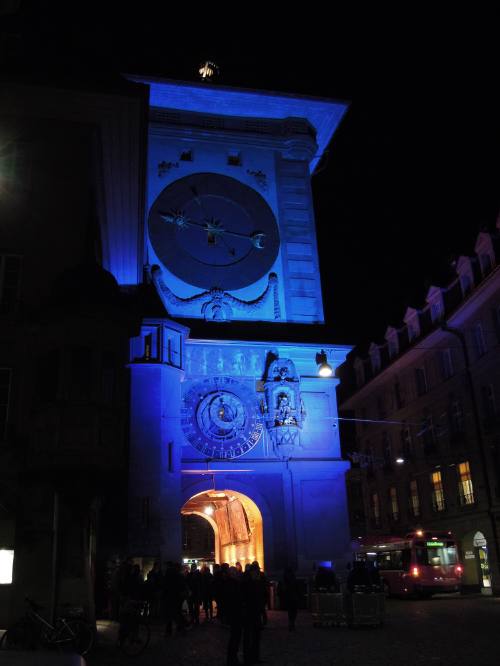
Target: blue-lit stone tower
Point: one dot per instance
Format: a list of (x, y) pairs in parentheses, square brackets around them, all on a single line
[(229, 418)]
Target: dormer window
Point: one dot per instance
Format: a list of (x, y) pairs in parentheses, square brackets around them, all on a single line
[(435, 301), (485, 252), (359, 370), (413, 324), (464, 272), (391, 336), (375, 358)]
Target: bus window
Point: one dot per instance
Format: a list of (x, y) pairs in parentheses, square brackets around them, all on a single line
[(384, 561), (437, 556), (397, 560)]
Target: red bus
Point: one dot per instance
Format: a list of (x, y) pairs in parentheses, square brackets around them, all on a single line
[(420, 564)]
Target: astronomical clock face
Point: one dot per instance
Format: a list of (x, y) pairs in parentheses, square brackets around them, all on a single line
[(221, 418), (213, 231)]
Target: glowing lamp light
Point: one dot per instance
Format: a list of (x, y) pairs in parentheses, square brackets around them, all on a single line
[(324, 368), (208, 70), (400, 461), (415, 572), (208, 510), (420, 533)]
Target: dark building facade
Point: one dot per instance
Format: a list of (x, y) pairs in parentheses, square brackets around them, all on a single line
[(426, 447)]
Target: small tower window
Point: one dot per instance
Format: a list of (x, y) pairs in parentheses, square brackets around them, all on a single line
[(234, 158), (186, 156)]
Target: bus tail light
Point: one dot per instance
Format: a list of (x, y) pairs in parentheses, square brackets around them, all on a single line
[(459, 570), (415, 572)]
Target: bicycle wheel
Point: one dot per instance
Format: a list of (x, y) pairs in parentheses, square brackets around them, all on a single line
[(77, 635), (135, 641), (19, 636)]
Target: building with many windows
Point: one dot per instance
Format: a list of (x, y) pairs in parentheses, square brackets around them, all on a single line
[(425, 448)]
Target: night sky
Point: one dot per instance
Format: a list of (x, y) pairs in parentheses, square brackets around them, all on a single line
[(414, 170)]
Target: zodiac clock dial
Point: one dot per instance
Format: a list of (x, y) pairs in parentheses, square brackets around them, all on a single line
[(220, 418), (213, 231)]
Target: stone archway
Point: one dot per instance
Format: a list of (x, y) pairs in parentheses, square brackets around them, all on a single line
[(236, 521)]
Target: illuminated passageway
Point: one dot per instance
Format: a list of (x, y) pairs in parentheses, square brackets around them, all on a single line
[(236, 521)]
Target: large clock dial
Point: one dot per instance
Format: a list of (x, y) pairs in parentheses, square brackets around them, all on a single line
[(214, 231), (221, 418)]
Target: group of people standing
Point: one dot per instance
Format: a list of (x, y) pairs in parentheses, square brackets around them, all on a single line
[(239, 597)]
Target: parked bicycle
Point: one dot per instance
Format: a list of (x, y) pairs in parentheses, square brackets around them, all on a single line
[(135, 633), (33, 630)]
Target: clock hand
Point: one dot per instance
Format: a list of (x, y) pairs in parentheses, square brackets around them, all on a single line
[(213, 227)]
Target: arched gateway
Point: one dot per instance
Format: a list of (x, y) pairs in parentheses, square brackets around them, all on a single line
[(236, 522)]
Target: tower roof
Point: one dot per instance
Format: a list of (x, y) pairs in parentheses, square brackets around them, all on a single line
[(324, 115)]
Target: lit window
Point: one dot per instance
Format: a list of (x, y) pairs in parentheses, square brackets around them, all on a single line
[(6, 566), (465, 486), (414, 499), (10, 274), (447, 369), (479, 341), (438, 502), (393, 497)]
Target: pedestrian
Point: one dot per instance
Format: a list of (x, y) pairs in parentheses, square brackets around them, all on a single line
[(288, 592), (252, 614), (194, 584), (207, 593), (234, 606)]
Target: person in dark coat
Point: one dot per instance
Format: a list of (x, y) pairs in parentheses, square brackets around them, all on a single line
[(207, 593), (174, 593), (194, 583), (252, 614), (288, 592), (235, 613)]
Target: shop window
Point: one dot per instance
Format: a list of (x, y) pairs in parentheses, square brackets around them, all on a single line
[(438, 500), (6, 566), (465, 487)]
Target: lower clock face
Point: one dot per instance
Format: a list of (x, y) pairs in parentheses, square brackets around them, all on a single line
[(220, 418)]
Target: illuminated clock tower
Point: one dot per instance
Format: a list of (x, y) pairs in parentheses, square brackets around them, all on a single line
[(230, 420)]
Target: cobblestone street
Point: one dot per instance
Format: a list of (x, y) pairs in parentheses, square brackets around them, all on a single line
[(444, 631)]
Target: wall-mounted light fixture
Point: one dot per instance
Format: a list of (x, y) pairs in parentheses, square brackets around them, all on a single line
[(208, 510), (324, 368)]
